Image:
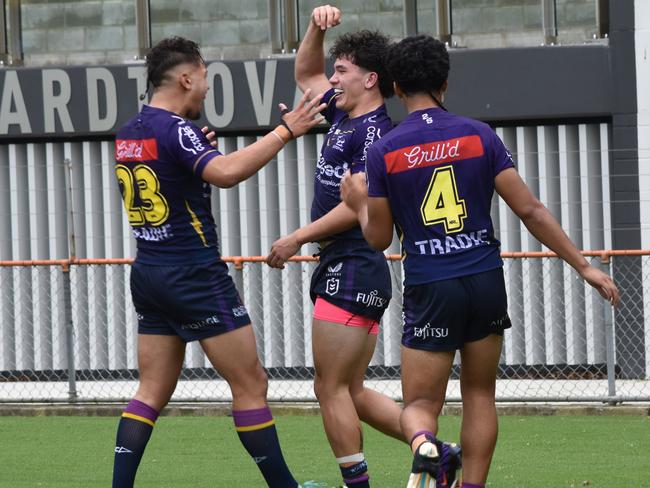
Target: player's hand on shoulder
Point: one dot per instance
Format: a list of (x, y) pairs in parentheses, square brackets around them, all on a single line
[(354, 190), (326, 17), (305, 115), (603, 283), (210, 135)]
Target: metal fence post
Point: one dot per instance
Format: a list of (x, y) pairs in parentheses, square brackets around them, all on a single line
[(609, 337), (67, 290), (143, 27), (549, 21), (69, 334), (11, 42), (410, 17), (443, 21)]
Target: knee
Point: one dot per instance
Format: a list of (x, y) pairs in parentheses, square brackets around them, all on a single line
[(153, 397), (252, 383), (325, 388)]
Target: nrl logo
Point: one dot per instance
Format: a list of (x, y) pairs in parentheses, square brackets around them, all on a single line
[(335, 269), (332, 286)]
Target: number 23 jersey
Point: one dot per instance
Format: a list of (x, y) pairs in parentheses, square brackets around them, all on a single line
[(437, 170), (159, 159)]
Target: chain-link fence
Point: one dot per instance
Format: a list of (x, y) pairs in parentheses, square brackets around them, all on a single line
[(566, 343)]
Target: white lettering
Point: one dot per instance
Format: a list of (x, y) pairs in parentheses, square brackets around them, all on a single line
[(439, 152), (262, 102), (188, 131), (12, 94), (428, 331), (325, 169), (227, 93), (372, 299), (129, 150), (371, 133), (452, 243), (96, 122), (56, 103), (155, 234)]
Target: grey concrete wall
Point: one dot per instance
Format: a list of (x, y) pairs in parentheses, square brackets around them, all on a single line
[(103, 31)]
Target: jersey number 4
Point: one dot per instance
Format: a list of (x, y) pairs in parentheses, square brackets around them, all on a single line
[(441, 205), (153, 208)]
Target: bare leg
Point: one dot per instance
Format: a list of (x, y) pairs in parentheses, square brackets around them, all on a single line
[(374, 408), (160, 358), (338, 352), (479, 429), (234, 356), (424, 385)]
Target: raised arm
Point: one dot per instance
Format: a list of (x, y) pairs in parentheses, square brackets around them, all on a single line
[(310, 59), (228, 170), (541, 223)]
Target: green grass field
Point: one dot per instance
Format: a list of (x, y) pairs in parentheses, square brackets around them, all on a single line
[(196, 452)]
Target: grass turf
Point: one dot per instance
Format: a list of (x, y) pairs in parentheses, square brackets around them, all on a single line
[(532, 452)]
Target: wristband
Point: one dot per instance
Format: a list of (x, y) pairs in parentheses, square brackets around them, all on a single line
[(279, 137), (286, 126)]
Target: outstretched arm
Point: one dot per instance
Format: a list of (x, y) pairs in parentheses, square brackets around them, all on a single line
[(541, 223), (228, 170), (310, 59), (339, 219)]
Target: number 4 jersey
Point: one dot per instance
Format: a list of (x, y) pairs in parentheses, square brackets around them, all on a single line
[(159, 158), (437, 170)]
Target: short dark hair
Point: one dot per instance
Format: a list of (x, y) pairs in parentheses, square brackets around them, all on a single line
[(418, 64), (367, 49), (168, 53)]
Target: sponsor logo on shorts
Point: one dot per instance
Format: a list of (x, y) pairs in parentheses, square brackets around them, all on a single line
[(427, 332), (239, 311), (372, 299), (210, 321), (332, 286), (500, 322)]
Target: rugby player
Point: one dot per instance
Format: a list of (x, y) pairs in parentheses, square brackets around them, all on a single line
[(433, 177), (351, 286), (180, 286)]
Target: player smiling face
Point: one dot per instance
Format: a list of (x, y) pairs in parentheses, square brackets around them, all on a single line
[(350, 82)]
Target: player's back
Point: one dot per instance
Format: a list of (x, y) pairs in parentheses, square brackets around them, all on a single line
[(159, 157), (438, 169)]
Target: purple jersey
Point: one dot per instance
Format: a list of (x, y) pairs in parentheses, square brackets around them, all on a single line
[(437, 170), (345, 147), (159, 158)]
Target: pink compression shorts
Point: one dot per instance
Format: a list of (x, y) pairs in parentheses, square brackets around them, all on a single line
[(324, 310)]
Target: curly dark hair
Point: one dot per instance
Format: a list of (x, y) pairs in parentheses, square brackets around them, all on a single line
[(418, 64), (168, 53), (367, 49)]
